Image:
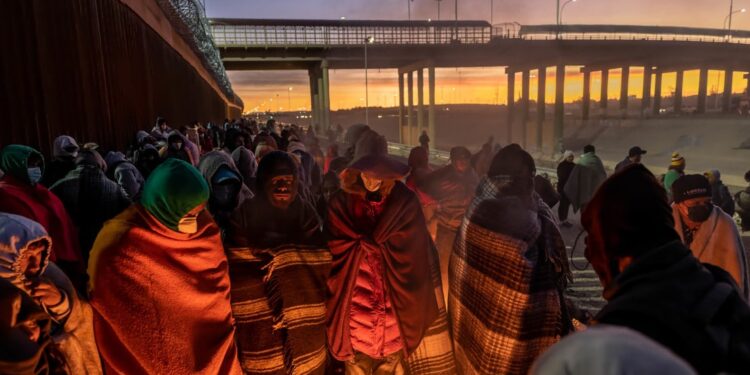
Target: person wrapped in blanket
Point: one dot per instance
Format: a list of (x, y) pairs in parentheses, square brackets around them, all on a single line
[(25, 249), (508, 272), (385, 306), (278, 265), (160, 283)]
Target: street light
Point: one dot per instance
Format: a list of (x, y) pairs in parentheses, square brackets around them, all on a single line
[(368, 40), (562, 9), (438, 3), (289, 97), (728, 18)]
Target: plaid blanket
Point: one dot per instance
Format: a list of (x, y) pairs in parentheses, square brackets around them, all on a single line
[(507, 269), (434, 355), (278, 302)]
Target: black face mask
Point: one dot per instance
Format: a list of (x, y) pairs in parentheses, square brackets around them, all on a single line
[(225, 195), (701, 213)]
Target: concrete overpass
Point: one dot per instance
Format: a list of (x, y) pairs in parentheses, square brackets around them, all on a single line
[(414, 47)]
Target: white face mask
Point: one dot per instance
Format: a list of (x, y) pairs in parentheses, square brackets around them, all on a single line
[(35, 174), (188, 224)]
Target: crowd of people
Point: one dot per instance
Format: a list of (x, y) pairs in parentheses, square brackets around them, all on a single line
[(245, 248)]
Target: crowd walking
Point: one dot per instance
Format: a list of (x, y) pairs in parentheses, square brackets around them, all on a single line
[(244, 248)]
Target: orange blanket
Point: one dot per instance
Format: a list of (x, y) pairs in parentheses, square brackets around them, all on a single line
[(161, 298)]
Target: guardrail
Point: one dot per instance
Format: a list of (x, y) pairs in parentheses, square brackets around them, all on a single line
[(331, 33)]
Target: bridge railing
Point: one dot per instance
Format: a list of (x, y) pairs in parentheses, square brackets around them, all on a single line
[(266, 33), (628, 32)]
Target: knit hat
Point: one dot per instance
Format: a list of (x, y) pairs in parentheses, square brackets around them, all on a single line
[(512, 161), (678, 161), (691, 186), (567, 154)]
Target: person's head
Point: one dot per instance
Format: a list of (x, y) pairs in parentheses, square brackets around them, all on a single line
[(161, 123), (516, 165), (175, 194), (635, 154), (175, 142), (589, 149), (692, 197), (713, 176), (331, 184), (747, 176), (378, 170), (627, 217), (460, 159), (91, 158), (234, 138), (23, 163), (24, 249), (65, 147), (569, 156), (224, 180), (278, 177), (677, 162)]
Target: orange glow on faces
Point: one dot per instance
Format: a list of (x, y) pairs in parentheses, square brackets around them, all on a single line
[(464, 85)]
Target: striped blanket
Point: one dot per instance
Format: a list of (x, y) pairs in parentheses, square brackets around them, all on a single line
[(278, 302), (434, 355), (507, 267)]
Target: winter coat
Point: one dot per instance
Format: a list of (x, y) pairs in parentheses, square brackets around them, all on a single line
[(718, 242), (585, 179), (122, 171), (90, 199), (246, 164), (564, 169), (72, 317), (743, 203)]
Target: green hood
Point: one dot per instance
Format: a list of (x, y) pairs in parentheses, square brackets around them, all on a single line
[(172, 190), (14, 161)]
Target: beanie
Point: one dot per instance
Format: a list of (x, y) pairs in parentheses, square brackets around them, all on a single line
[(691, 186), (678, 161)]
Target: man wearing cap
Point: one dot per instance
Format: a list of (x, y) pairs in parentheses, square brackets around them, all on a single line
[(710, 233), (384, 288), (634, 157), (452, 187)]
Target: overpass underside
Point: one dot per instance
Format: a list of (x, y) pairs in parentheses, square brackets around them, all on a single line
[(522, 58), (99, 71)]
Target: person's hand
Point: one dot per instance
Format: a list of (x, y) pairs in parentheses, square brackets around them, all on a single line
[(45, 292)]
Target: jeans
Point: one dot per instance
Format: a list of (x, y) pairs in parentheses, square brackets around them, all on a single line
[(563, 207), (362, 364)]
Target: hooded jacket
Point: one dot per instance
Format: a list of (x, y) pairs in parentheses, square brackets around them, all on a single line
[(122, 171), (585, 178), (62, 161), (209, 165), (246, 164), (18, 196), (72, 317), (718, 242)]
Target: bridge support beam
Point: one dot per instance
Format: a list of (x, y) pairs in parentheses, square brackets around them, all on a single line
[(559, 108), (403, 130), (604, 101), (431, 106), (646, 93), (726, 100), (511, 102), (678, 91), (525, 102), (326, 95), (657, 92), (420, 104), (314, 100), (586, 101), (624, 86), (541, 106), (410, 109), (702, 90)]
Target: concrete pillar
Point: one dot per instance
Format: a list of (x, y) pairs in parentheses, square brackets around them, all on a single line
[(625, 85), (726, 100), (559, 105), (511, 103), (313, 97), (326, 103), (678, 91), (702, 90), (403, 130), (541, 106), (586, 101), (410, 109), (431, 106), (321, 101), (605, 90), (420, 102), (646, 93), (525, 102), (657, 92)]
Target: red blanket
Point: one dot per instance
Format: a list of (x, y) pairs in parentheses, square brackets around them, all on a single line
[(401, 236), (39, 204), (161, 298)]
